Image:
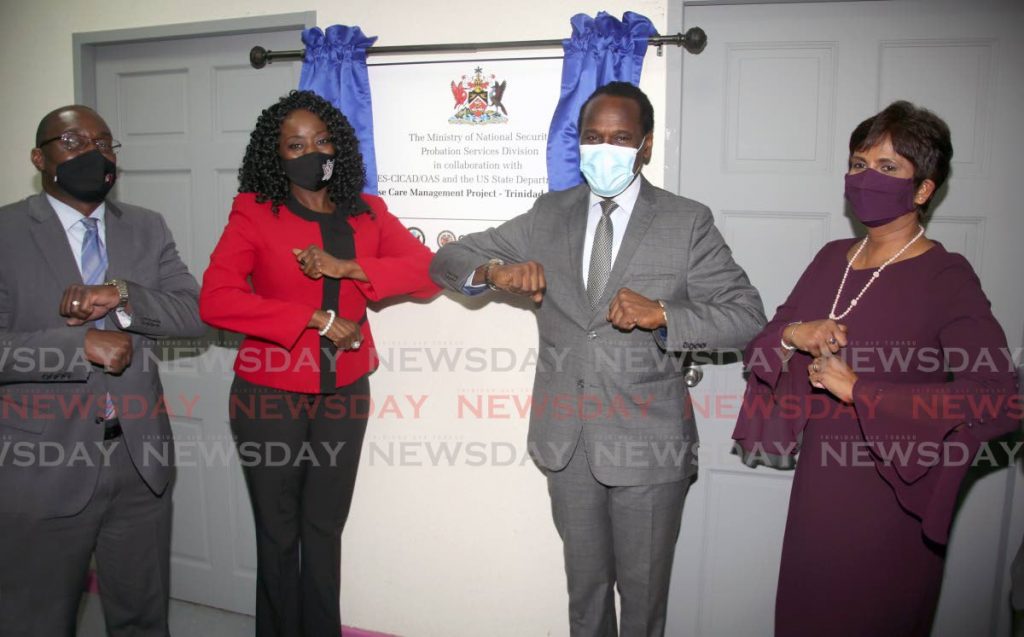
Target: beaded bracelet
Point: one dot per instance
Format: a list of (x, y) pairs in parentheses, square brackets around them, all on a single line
[(330, 322)]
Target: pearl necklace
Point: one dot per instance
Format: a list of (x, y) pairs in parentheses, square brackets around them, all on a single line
[(874, 275)]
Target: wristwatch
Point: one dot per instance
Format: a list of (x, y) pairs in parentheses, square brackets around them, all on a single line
[(122, 292), (487, 272), (120, 314)]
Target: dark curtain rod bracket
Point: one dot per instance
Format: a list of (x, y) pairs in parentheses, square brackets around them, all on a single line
[(694, 41)]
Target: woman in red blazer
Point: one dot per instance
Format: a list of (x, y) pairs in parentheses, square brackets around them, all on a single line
[(301, 255)]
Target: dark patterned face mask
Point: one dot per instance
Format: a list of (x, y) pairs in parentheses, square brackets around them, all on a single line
[(311, 171), (87, 177)]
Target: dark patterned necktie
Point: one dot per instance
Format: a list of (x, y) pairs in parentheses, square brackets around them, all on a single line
[(601, 254)]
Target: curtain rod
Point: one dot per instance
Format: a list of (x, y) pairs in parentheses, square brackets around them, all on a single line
[(694, 41)]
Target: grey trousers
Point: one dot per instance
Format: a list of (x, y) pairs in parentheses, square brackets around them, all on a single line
[(615, 536), (44, 562)]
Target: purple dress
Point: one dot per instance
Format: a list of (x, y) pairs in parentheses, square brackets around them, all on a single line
[(876, 481)]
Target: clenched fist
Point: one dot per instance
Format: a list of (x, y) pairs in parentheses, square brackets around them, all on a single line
[(630, 310), (526, 278), (109, 349)]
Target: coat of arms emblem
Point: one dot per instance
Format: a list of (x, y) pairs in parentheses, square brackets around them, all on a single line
[(478, 99)]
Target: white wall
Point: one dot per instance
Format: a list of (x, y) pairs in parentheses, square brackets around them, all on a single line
[(429, 550), (35, 44)]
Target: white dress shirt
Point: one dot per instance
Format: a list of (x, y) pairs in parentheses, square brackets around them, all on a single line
[(74, 227), (619, 218)]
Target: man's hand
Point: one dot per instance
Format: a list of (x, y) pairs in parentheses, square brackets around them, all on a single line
[(84, 303), (109, 349), (630, 310), (526, 279)]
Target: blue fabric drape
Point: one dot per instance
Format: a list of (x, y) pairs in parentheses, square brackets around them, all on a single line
[(335, 68), (600, 50)]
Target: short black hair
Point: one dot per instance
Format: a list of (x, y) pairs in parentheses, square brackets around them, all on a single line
[(51, 117), (916, 133), (627, 90), (261, 170)]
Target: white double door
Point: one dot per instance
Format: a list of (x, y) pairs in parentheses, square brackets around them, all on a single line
[(767, 110)]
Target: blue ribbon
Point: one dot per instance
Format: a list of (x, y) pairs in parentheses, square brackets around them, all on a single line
[(601, 50), (335, 68)]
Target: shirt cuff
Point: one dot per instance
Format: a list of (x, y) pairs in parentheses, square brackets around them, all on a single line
[(472, 290), (123, 319)]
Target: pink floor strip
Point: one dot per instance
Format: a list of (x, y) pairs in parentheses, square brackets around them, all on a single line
[(91, 586), (356, 632)]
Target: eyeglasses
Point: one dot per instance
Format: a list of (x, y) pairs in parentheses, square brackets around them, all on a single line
[(73, 141)]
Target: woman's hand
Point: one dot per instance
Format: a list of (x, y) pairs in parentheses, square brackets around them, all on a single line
[(315, 263), (832, 374), (817, 338), (345, 334)]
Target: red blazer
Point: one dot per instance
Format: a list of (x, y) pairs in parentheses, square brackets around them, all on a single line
[(279, 350)]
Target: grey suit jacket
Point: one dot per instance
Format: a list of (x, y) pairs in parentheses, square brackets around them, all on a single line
[(52, 399), (625, 391)]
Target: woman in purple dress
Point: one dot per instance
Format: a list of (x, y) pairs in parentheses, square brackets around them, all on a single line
[(886, 370)]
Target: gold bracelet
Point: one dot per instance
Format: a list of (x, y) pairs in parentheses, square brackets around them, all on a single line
[(663, 312), (782, 340)]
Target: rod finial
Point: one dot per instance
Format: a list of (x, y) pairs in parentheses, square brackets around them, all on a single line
[(694, 40), (258, 57)]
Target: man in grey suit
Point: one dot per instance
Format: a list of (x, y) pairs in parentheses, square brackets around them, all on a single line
[(86, 285), (626, 276)]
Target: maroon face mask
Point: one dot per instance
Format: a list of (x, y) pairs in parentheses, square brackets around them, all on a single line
[(877, 199)]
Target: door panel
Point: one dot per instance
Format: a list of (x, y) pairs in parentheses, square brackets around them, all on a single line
[(767, 110), (183, 110)]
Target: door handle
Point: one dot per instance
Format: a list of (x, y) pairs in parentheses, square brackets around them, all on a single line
[(693, 375)]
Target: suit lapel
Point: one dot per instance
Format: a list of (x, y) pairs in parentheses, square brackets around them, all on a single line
[(577, 230), (52, 241), (639, 222), (118, 242)]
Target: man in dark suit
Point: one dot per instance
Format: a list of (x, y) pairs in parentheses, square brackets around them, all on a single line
[(86, 285), (626, 274)]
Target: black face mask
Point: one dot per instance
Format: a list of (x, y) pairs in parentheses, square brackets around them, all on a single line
[(87, 177), (311, 171)]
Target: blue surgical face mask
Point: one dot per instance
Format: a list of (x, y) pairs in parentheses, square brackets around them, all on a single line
[(608, 168)]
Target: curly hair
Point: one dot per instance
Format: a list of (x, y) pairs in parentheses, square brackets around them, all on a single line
[(261, 170)]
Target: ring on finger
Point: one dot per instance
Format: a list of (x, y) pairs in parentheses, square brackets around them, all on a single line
[(816, 367), (76, 303), (832, 340), (355, 344)]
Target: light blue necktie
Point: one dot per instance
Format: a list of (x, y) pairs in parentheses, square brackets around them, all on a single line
[(94, 272)]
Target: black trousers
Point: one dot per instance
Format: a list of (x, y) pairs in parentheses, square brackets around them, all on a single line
[(300, 454)]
